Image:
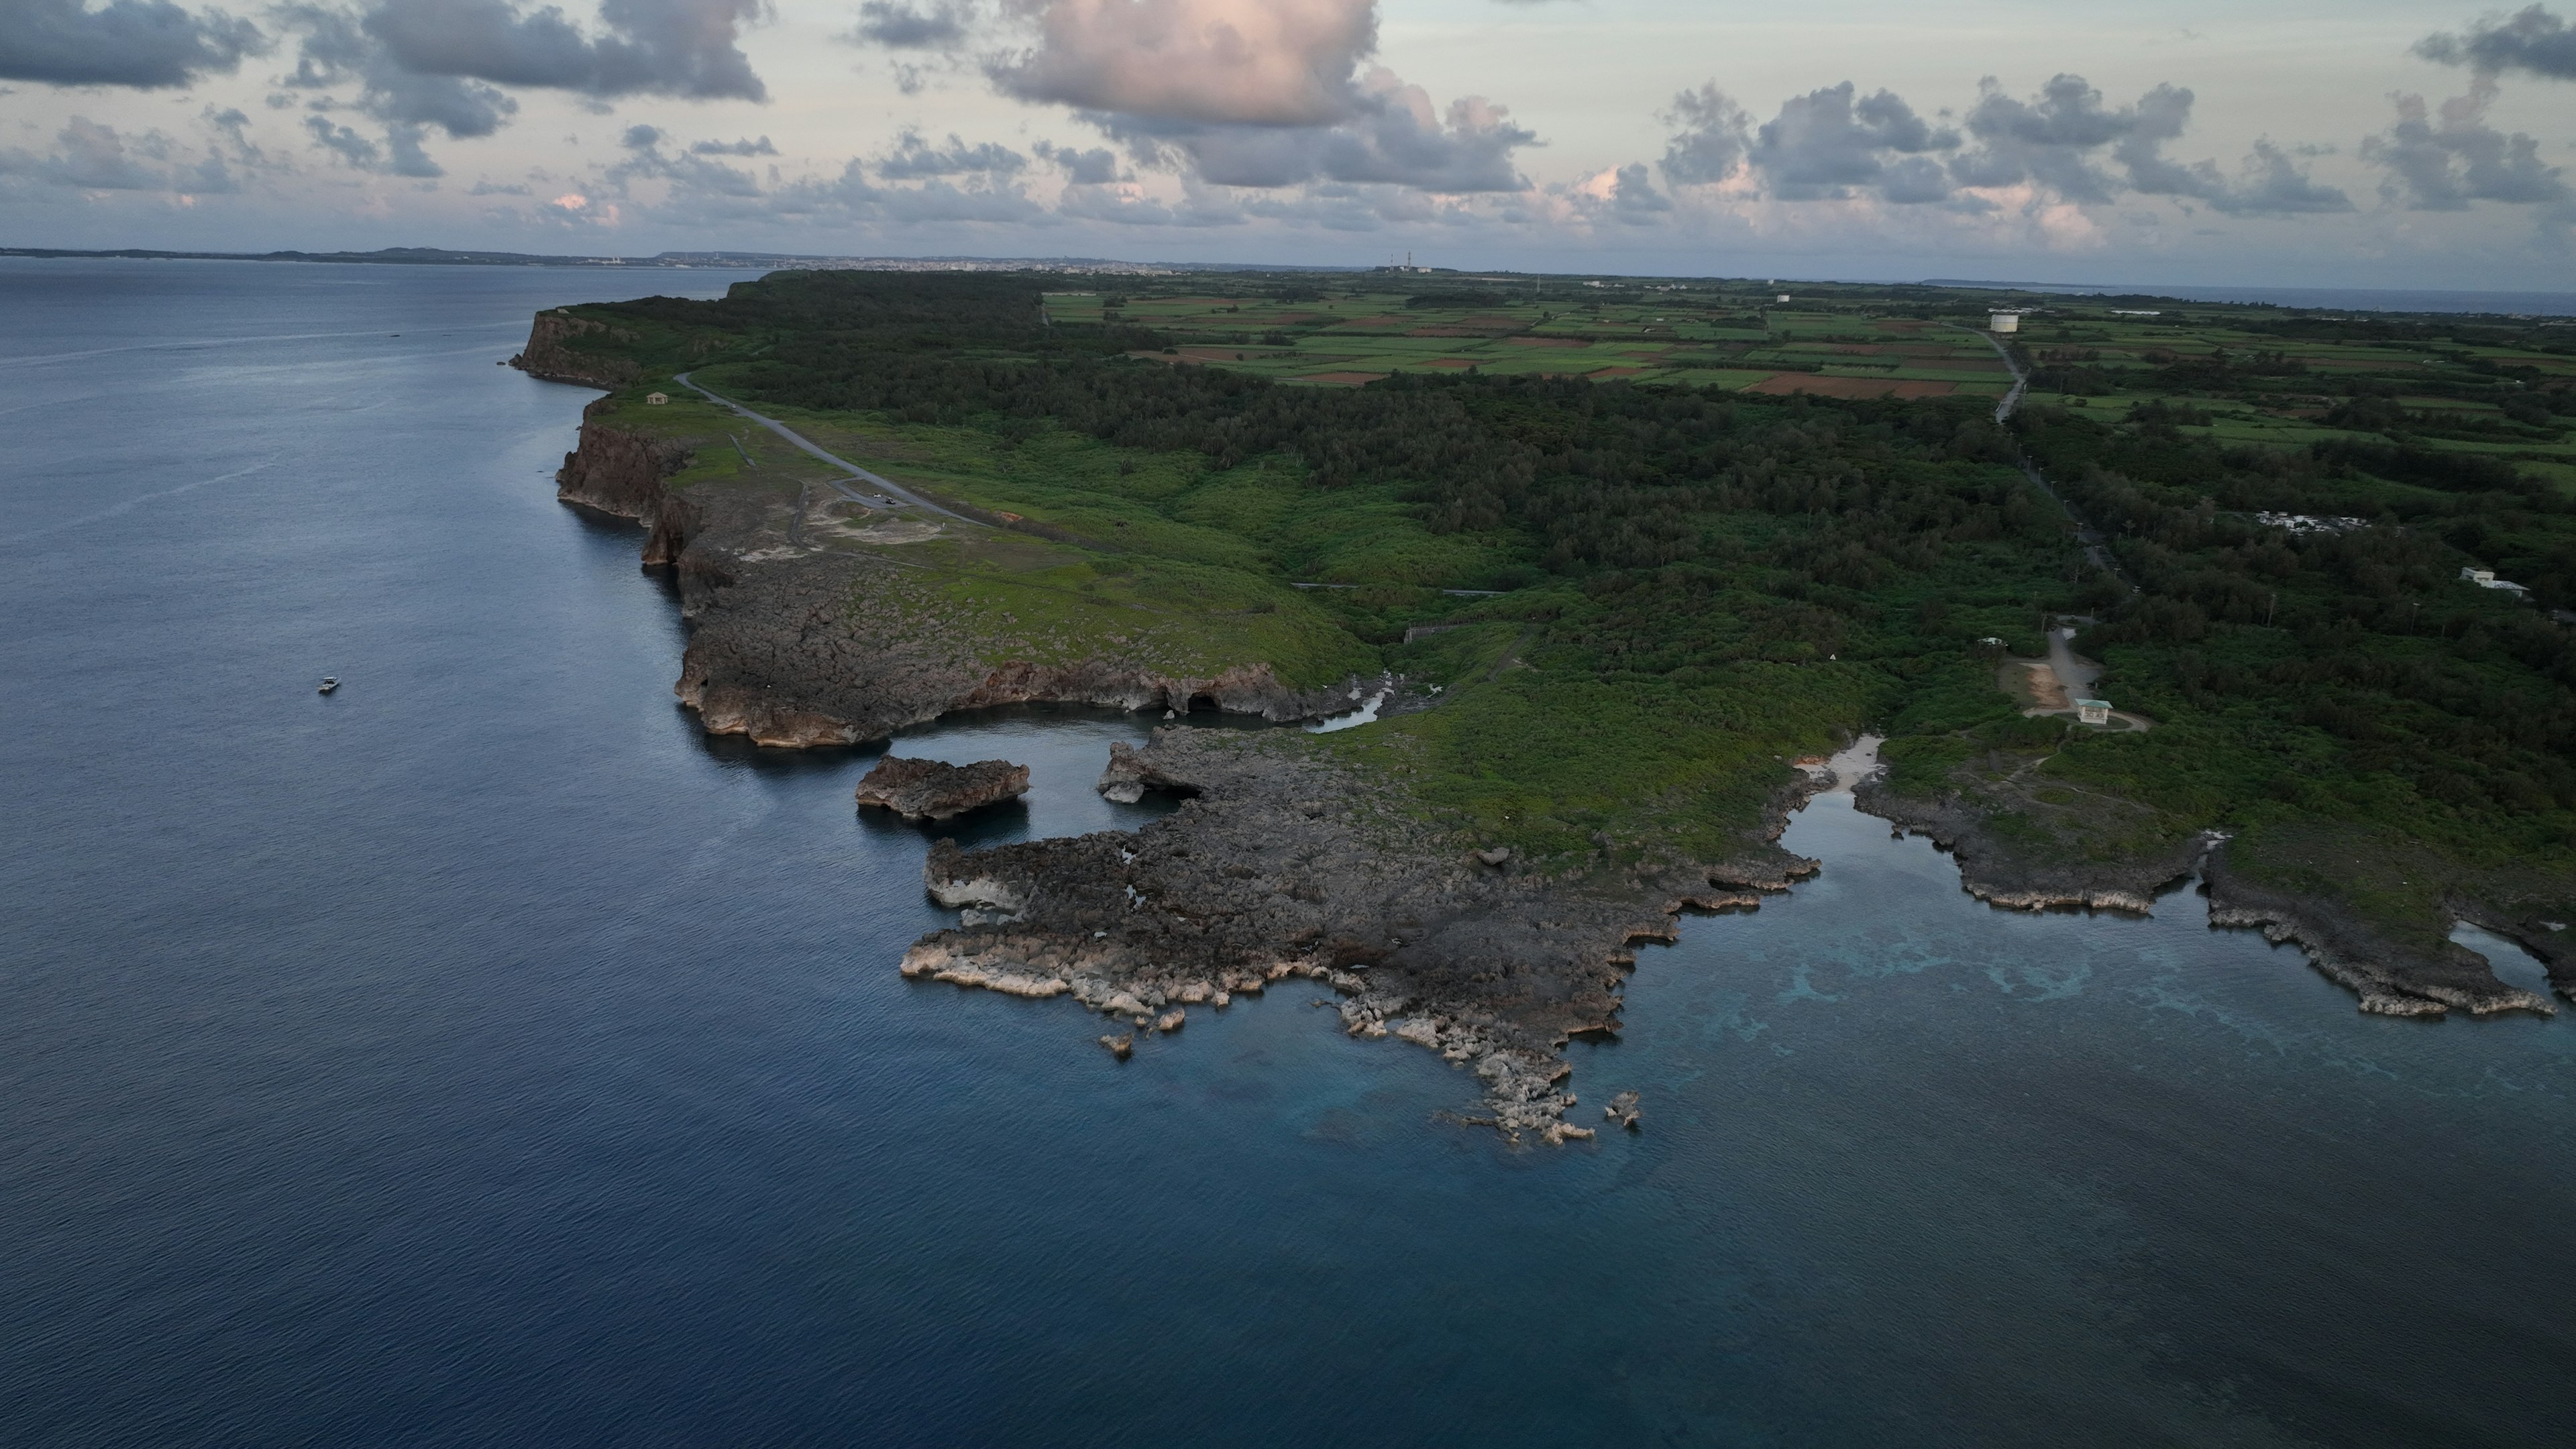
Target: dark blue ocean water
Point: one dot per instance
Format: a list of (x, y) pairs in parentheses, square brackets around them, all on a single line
[(482, 1056)]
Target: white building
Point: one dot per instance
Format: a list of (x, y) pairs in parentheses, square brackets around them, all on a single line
[(2093, 711), (2003, 321), (2486, 579), (656, 399)]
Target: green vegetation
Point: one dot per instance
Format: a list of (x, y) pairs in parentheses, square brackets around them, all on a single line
[(1658, 587)]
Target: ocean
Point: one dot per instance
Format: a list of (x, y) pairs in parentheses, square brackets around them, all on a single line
[(483, 1055)]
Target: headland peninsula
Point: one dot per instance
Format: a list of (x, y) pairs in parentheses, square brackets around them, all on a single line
[(2103, 597)]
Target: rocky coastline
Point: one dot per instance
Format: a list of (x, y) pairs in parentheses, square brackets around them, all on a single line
[(1999, 875), (1283, 861), (2387, 977), (795, 646), (547, 355)]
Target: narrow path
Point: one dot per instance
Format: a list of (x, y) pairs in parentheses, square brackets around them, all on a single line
[(890, 489)]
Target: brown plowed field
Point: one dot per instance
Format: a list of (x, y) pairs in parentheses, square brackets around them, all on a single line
[(1785, 383), (1346, 379)]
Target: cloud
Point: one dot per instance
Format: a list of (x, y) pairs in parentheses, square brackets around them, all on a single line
[(1714, 134), (1126, 205), (2445, 161), (760, 147), (1388, 135), (690, 171), (90, 156), (895, 26), (94, 158), (2051, 140), (2274, 185), (1835, 144), (2532, 40), (348, 145), (1824, 143), (442, 63), (913, 158), (1094, 167), (694, 189), (651, 47), (1255, 93), (1624, 194), (1212, 62), (148, 44)]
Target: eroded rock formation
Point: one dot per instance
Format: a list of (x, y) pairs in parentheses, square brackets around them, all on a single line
[(1283, 863), (935, 790)]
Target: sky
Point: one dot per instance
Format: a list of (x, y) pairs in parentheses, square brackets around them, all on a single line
[(2253, 142)]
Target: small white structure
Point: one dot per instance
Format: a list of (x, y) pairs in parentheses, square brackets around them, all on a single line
[(2486, 579), (2003, 321), (656, 399), (2093, 711), (1783, 297), (2310, 523)]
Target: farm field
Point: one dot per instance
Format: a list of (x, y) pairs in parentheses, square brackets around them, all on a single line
[(1352, 335), (2231, 374)]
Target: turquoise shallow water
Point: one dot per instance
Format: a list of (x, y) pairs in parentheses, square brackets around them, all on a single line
[(481, 1055)]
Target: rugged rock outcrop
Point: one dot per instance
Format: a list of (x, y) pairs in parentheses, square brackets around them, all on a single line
[(2391, 978), (2547, 939), (935, 790), (1281, 863), (794, 645), (832, 650), (2003, 875), (549, 355)]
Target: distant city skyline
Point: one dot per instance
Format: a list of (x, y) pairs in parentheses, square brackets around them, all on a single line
[(2364, 143)]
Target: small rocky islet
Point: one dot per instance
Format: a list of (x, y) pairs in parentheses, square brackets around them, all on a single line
[(936, 790)]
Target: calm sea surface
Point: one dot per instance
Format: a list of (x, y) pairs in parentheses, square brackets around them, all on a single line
[(483, 1056)]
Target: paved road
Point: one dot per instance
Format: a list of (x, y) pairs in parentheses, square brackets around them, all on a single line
[(890, 489), (2076, 673), (2021, 380)]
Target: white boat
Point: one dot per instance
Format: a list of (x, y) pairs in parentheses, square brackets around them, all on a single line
[(328, 684)]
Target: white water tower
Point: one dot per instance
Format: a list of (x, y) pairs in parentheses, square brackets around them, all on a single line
[(2003, 321)]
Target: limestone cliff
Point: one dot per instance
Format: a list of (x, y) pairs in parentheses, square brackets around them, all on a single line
[(796, 645), (549, 355), (619, 471)]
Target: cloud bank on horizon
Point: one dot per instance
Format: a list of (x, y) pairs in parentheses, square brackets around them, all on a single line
[(1659, 138)]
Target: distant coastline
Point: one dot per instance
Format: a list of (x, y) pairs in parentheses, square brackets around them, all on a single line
[(2320, 299), (773, 261), (2306, 299)]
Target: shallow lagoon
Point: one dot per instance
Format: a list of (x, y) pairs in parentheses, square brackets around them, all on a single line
[(481, 1054)]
